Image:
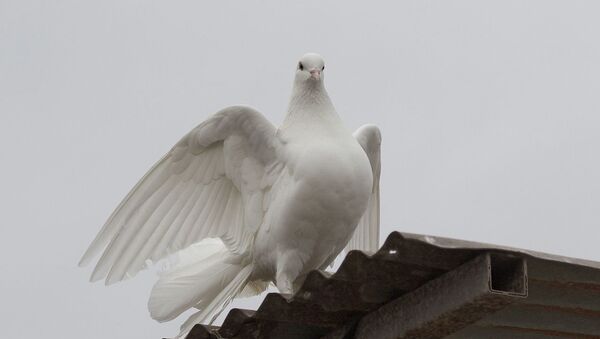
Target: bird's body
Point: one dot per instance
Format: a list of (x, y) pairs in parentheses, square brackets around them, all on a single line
[(310, 226), (283, 202)]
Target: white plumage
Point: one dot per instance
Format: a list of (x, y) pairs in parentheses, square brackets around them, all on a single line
[(243, 203)]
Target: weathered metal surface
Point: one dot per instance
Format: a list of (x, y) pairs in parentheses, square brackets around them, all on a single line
[(563, 295), (449, 303), (202, 332), (458, 244)]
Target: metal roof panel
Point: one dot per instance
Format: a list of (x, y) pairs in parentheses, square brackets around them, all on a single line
[(415, 286)]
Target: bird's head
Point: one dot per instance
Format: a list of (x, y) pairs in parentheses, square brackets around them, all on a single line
[(310, 68)]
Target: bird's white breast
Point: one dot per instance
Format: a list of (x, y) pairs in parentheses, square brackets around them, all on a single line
[(329, 191)]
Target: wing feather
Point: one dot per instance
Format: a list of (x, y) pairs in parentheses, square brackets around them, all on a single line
[(111, 227), (166, 244), (158, 232), (194, 192), (121, 239), (131, 253), (366, 235)]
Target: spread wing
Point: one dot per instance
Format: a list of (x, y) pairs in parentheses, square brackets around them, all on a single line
[(210, 184), (366, 235)]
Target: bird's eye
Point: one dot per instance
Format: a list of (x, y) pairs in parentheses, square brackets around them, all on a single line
[(300, 66), (322, 69)]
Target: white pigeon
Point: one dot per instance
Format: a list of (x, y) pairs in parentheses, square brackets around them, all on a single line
[(243, 203)]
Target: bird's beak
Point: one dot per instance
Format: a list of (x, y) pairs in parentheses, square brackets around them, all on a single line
[(315, 74)]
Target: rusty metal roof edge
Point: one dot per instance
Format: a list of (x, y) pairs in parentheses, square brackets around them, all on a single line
[(232, 325), (451, 243)]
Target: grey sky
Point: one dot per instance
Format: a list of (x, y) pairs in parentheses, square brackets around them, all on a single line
[(490, 113)]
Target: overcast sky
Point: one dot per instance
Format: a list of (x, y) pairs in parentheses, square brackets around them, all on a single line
[(490, 114)]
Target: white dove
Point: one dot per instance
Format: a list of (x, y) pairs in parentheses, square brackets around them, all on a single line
[(282, 201)]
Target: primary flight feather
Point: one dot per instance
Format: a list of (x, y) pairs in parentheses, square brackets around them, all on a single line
[(281, 201)]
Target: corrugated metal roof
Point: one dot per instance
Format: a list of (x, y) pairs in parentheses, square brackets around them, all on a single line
[(420, 286)]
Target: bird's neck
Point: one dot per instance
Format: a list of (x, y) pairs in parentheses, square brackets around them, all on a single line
[(310, 104)]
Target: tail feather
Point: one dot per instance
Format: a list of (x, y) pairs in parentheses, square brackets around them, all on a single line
[(206, 284), (253, 288), (219, 303)]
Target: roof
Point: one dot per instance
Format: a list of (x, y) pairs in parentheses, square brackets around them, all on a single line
[(419, 286)]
